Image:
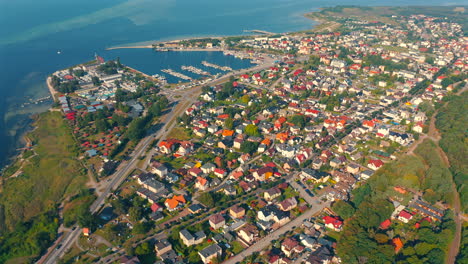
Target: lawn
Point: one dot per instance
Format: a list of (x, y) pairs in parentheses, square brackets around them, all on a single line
[(178, 133), (236, 247)]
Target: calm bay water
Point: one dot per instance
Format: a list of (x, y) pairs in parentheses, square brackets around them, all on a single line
[(32, 32)]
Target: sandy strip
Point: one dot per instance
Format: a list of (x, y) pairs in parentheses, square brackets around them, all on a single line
[(51, 88)]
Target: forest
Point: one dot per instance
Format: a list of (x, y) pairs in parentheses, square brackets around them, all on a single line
[(452, 122)]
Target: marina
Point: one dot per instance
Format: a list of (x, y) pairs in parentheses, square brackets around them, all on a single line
[(177, 74), (222, 68), (195, 70)]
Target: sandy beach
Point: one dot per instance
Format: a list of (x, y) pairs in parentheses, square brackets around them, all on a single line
[(51, 88), (131, 47)]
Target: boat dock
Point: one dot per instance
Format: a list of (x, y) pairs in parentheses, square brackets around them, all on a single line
[(177, 74), (223, 68), (195, 70)]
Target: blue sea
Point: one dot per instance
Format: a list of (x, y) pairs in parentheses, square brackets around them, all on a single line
[(33, 32)]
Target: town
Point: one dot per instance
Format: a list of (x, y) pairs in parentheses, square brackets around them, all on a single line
[(256, 165)]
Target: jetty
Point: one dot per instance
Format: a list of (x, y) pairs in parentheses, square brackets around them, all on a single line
[(195, 70), (223, 68), (177, 74)]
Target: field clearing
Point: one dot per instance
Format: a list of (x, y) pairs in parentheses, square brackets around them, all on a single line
[(178, 133)]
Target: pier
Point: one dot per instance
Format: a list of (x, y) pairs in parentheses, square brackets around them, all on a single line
[(223, 68), (195, 70), (177, 74)]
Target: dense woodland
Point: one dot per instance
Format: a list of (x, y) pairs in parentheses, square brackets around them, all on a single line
[(452, 122)]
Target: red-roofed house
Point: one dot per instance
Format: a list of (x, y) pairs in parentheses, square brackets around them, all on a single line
[(156, 207), (166, 146), (385, 224), (404, 216), (375, 164), (220, 172), (333, 223), (368, 124)]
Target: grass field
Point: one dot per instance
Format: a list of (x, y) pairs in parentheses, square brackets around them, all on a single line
[(49, 176), (178, 133)]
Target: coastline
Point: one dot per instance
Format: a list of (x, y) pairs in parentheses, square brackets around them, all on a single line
[(51, 88)]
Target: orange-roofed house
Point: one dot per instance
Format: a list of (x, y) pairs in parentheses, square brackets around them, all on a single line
[(180, 198), (369, 124), (223, 116), (266, 141), (397, 243), (329, 122), (279, 122), (341, 124), (400, 189), (174, 202), (166, 147), (282, 137), (86, 231), (201, 184), (228, 133)]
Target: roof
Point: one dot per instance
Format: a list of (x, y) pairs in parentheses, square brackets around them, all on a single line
[(405, 214), (237, 209), (216, 219), (228, 133), (202, 181), (397, 243), (385, 224), (377, 163), (335, 221), (210, 251), (290, 243), (174, 201)]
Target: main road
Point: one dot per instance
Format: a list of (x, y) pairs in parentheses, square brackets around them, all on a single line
[(188, 96)]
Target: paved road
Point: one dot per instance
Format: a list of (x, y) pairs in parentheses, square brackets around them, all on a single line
[(309, 199), (266, 241)]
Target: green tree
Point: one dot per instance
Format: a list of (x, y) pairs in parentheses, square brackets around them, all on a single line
[(101, 125), (252, 130), (143, 249), (135, 213), (207, 199), (96, 81), (141, 228), (248, 147), (228, 123), (343, 209)]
